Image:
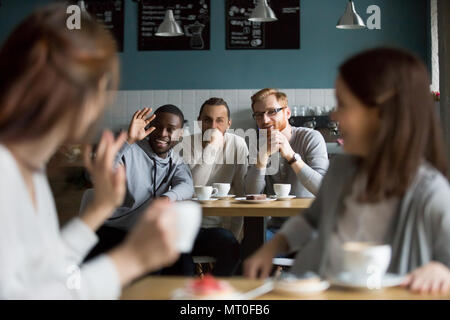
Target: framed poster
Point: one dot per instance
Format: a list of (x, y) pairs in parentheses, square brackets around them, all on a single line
[(244, 34), (193, 16), (111, 14)]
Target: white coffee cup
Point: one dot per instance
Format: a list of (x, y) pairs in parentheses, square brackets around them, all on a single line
[(222, 188), (367, 262), (189, 218), (205, 192), (282, 189)]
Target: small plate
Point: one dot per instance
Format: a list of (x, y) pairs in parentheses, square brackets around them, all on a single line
[(205, 201), (227, 197), (244, 200), (290, 197), (290, 284), (343, 279)]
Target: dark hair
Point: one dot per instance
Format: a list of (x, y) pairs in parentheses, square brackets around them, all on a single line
[(398, 84), (48, 70), (215, 102), (170, 108)]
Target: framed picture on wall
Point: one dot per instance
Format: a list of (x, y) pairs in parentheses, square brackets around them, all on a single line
[(193, 16), (244, 34)]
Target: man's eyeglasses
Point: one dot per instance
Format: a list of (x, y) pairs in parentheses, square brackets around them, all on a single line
[(270, 113)]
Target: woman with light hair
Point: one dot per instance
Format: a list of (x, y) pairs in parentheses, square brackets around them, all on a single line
[(53, 90)]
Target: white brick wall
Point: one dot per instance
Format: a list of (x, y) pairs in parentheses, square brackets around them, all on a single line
[(189, 101)]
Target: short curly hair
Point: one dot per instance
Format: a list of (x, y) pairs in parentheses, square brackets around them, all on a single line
[(170, 108)]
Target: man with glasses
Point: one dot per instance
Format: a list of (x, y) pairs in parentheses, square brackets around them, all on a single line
[(304, 158)]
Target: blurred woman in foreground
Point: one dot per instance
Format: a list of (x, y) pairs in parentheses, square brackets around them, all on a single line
[(390, 188), (53, 89)]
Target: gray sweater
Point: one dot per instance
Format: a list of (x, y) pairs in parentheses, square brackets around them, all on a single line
[(311, 147), (419, 232), (148, 177)]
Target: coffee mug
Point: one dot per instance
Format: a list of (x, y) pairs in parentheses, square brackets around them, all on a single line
[(205, 192), (189, 218), (222, 188), (367, 262), (282, 189)]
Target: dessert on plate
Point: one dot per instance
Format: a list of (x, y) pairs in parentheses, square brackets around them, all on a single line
[(256, 197), (206, 288)]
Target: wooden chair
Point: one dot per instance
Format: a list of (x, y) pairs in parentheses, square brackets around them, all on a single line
[(203, 264)]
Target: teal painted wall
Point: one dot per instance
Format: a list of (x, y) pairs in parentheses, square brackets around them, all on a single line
[(405, 23)]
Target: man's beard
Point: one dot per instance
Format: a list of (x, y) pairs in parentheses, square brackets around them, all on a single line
[(282, 125)]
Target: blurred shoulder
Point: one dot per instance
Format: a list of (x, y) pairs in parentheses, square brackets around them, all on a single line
[(10, 178), (7, 161), (432, 183)]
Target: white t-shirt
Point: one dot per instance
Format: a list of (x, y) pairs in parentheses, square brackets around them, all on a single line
[(37, 259), (225, 165)]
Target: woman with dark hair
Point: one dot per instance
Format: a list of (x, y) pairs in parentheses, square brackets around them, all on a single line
[(53, 89), (390, 187)]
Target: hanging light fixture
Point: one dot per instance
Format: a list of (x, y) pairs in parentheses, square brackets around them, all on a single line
[(262, 13), (169, 27), (350, 19)]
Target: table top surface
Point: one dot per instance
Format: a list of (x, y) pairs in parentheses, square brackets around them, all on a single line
[(273, 208), (162, 287)]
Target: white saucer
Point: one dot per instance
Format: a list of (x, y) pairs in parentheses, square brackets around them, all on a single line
[(205, 201), (290, 197), (244, 200), (344, 280), (227, 197)]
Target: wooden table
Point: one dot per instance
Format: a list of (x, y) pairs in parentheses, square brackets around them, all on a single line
[(161, 288), (239, 209), (254, 217)]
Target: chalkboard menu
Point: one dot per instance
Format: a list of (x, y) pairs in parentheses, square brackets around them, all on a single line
[(111, 14), (193, 16), (244, 34)]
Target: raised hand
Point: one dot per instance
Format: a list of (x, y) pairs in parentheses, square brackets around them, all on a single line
[(136, 130), (150, 245), (109, 182)]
